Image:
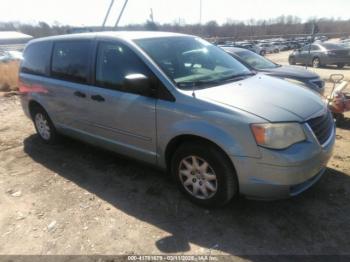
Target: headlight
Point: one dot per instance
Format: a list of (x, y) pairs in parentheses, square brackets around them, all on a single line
[(278, 135)]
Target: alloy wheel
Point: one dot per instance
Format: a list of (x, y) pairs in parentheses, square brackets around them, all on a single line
[(198, 177), (42, 126)]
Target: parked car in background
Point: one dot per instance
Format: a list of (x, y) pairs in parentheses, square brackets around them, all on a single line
[(292, 74), (249, 46), (321, 54), (182, 104), (280, 46), (7, 56), (321, 38), (269, 48), (345, 43)]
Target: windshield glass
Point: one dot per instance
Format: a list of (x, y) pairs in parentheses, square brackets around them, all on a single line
[(255, 61), (191, 61)]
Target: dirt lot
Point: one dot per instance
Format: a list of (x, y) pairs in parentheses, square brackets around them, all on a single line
[(76, 199)]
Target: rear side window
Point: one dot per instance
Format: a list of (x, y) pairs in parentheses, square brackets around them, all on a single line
[(306, 48), (314, 48), (70, 61), (36, 57), (114, 62)]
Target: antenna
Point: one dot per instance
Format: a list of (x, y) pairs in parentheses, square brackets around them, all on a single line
[(120, 14), (107, 14)]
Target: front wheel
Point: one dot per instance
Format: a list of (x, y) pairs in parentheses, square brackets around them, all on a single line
[(291, 60), (316, 63), (340, 66), (204, 174)]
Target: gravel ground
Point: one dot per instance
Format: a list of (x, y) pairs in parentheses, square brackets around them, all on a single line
[(76, 199)]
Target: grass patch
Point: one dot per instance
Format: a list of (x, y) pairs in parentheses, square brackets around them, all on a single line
[(9, 76)]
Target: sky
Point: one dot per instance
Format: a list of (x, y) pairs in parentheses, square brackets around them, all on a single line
[(92, 12)]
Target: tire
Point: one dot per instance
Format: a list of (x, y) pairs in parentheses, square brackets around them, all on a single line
[(262, 52), (316, 62), (191, 158), (340, 66), (44, 126), (291, 61)]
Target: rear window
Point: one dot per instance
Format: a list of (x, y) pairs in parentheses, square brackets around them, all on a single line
[(36, 57), (70, 61)]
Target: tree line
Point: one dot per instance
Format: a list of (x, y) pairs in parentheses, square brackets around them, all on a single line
[(280, 26)]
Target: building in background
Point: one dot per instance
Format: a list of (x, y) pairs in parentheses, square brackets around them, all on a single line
[(12, 40)]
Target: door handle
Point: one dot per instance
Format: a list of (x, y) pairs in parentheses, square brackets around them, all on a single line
[(97, 98), (79, 94)]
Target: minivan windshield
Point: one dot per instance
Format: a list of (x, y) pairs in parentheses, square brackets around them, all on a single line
[(255, 61), (192, 62)]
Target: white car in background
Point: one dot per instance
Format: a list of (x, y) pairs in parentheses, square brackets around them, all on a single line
[(7, 56), (269, 48)]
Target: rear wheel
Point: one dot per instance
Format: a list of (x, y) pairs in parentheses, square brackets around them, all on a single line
[(204, 174), (316, 63), (262, 52), (291, 60), (44, 126)]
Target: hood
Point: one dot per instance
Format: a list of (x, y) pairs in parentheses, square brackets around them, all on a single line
[(271, 98), (290, 72)]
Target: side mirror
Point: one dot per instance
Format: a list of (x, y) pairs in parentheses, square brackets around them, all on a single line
[(139, 84)]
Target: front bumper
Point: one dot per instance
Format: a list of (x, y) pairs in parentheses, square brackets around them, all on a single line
[(281, 174)]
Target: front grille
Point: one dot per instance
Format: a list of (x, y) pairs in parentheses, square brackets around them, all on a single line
[(322, 126)]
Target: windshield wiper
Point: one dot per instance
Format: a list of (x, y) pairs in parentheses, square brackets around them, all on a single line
[(236, 77), (191, 84), (198, 83)]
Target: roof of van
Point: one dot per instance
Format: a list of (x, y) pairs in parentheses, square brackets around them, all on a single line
[(131, 35)]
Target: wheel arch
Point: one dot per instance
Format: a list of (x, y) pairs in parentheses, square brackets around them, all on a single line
[(34, 104), (177, 141)]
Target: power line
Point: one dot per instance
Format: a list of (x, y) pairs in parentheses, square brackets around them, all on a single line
[(107, 14), (120, 14)]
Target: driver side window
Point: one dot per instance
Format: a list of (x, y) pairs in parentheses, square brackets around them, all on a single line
[(114, 62)]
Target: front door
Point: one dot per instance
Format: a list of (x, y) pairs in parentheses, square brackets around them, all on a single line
[(124, 118)]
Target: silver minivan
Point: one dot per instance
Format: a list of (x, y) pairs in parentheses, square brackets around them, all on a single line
[(182, 104)]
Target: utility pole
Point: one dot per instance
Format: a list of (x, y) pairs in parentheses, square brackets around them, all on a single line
[(120, 14), (314, 31), (151, 15), (107, 14), (200, 12)]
